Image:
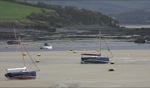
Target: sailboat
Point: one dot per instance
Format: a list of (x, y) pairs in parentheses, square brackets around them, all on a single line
[(22, 72), (15, 41), (96, 58)]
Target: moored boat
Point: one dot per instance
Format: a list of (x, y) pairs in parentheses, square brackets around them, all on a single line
[(21, 75), (12, 42), (22, 72), (46, 46), (15, 41), (93, 58), (96, 58)]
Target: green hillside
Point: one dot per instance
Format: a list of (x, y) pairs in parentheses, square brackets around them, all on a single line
[(45, 16), (14, 11)]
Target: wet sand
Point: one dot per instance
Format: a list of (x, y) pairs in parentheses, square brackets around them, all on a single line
[(63, 69)]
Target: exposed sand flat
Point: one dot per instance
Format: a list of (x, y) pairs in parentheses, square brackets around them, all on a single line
[(63, 69), (137, 26)]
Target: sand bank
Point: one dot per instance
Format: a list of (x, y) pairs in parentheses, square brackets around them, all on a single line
[(63, 69)]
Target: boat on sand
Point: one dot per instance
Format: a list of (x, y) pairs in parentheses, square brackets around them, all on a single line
[(22, 72), (96, 58)]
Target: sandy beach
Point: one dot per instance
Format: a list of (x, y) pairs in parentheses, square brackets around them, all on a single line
[(63, 69)]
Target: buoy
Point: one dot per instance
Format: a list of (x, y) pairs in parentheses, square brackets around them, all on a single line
[(71, 50), (66, 43), (112, 62), (98, 50), (111, 69), (37, 61), (39, 55), (74, 52), (24, 54), (6, 46)]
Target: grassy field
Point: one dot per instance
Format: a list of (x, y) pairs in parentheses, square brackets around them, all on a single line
[(14, 11)]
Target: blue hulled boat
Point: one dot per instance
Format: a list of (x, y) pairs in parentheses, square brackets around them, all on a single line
[(21, 75), (95, 58), (22, 72)]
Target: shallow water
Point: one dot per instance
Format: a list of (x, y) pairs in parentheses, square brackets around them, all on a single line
[(66, 45)]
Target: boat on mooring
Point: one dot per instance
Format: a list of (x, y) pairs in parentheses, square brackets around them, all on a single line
[(96, 58), (22, 72), (46, 46), (15, 40)]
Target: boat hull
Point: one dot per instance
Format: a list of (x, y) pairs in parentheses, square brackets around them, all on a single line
[(13, 42), (102, 60), (46, 47), (21, 75)]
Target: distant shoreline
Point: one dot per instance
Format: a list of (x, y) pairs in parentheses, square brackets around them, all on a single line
[(136, 26)]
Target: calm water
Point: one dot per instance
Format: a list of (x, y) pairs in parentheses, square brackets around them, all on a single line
[(65, 45)]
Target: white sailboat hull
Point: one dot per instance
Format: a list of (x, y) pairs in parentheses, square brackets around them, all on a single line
[(16, 69), (46, 47)]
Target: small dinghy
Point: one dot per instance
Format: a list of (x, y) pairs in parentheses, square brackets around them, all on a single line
[(46, 46)]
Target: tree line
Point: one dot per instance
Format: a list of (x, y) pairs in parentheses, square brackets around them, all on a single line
[(70, 16), (63, 16)]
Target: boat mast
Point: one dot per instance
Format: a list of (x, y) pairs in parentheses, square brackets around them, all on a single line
[(23, 47), (22, 50), (15, 34), (100, 43), (15, 31), (108, 49), (31, 58)]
